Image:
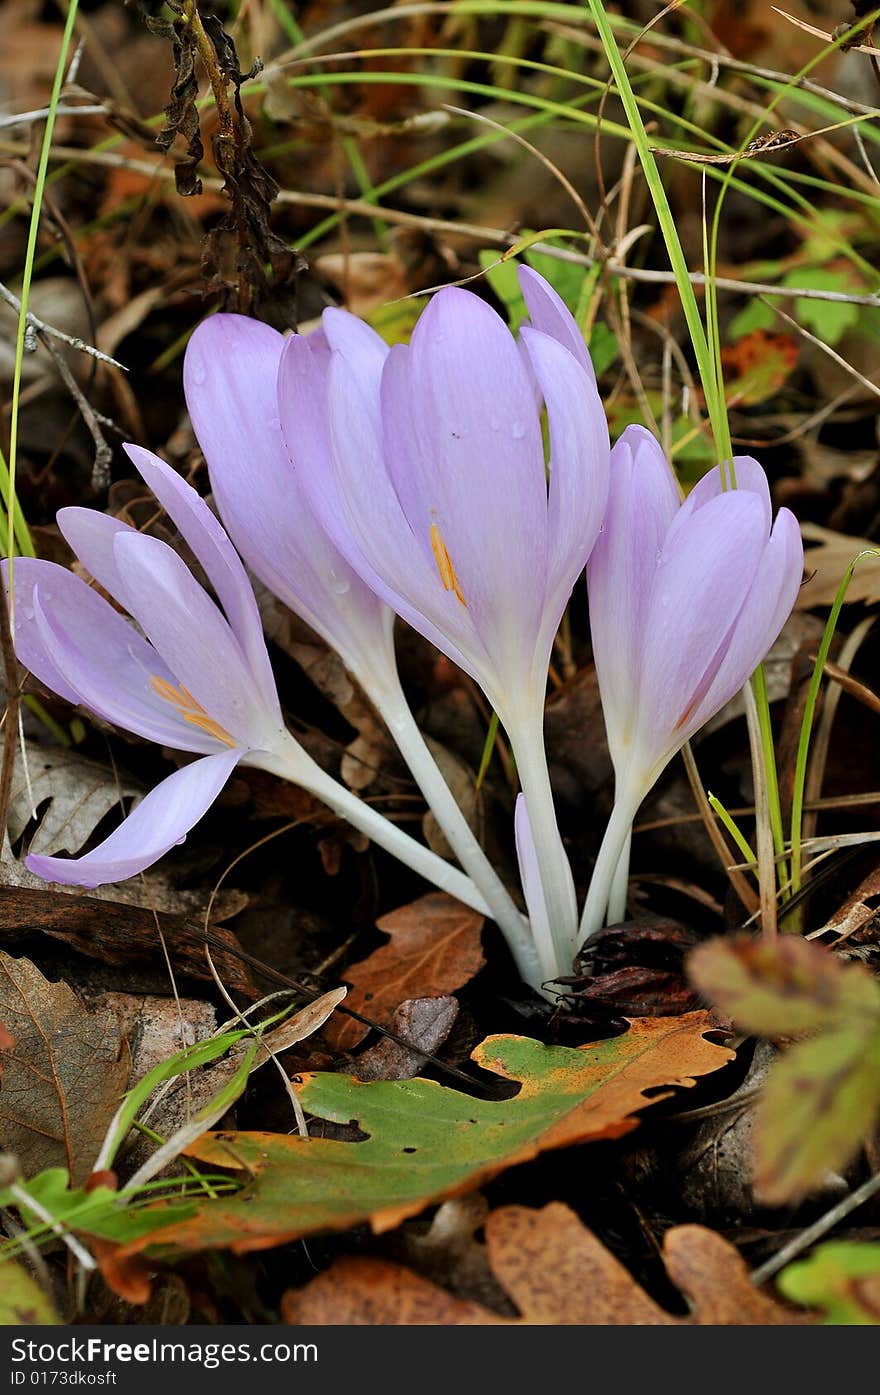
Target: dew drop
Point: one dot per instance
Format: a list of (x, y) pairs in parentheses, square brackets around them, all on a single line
[(27, 612), (518, 430), (339, 585), (274, 423)]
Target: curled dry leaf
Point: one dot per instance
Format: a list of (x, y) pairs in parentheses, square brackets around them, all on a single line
[(426, 1142), (434, 948), (63, 1078), (557, 1273), (826, 562), (425, 1022)]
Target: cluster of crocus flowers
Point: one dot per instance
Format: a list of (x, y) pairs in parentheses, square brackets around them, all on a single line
[(463, 482)]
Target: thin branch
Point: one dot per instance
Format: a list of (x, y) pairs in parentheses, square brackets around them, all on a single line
[(40, 326)]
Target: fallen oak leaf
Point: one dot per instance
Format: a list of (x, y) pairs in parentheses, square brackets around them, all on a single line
[(426, 1142), (557, 1273), (434, 948), (63, 1078)]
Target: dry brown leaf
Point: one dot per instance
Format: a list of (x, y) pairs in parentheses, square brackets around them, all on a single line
[(829, 558), (557, 1273), (434, 949), (425, 1023), (63, 1078)]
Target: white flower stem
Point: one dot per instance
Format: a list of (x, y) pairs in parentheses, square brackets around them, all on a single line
[(291, 762), (412, 746), (620, 885), (527, 741), (606, 870)]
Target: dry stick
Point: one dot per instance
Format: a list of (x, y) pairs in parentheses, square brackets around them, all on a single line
[(832, 155), (100, 480), (826, 348), (763, 828), (40, 327), (815, 1231), (472, 232), (739, 883), (822, 735)]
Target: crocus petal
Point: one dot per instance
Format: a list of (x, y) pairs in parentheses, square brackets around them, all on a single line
[(698, 591), (363, 349), (642, 502), (92, 534), (201, 530), (80, 647), (230, 373), (362, 512), (469, 430), (549, 313), (579, 465), (162, 819), (194, 639), (750, 478), (764, 612), (29, 647)]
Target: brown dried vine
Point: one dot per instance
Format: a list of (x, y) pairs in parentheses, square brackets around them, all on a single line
[(266, 268)]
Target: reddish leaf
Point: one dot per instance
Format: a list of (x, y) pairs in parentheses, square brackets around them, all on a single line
[(434, 949)]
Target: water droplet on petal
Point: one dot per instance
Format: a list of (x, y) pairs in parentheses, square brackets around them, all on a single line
[(28, 612), (274, 423), (339, 585), (518, 430)]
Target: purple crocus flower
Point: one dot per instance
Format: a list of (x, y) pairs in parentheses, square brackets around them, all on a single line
[(437, 494), (230, 373), (193, 676), (685, 601)]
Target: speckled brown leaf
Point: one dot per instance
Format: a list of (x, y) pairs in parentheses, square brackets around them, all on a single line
[(63, 1078), (434, 948), (556, 1273)]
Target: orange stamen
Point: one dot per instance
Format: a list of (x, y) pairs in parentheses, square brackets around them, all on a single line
[(189, 709), (444, 565)]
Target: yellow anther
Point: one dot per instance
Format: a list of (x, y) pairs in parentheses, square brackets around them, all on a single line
[(444, 565), (189, 709)]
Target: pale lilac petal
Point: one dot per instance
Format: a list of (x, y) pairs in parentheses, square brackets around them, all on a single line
[(194, 639), (750, 478), (363, 349), (30, 650), (698, 592), (364, 517), (161, 820), (83, 649), (642, 501), (92, 534), (474, 437), (200, 529), (765, 610), (579, 464), (230, 374), (549, 313)]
